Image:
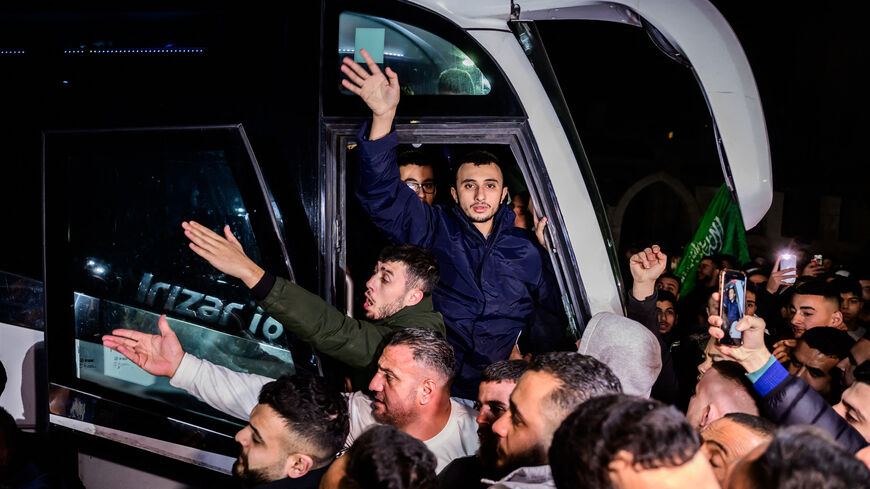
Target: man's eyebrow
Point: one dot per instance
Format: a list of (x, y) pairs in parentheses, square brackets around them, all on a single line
[(721, 446), (255, 430), (387, 371), (808, 307), (515, 413)]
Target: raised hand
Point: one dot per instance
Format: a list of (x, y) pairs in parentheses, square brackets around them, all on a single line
[(813, 269), (782, 349), (156, 354), (753, 354), (224, 253), (538, 228), (777, 276), (379, 92), (646, 267)]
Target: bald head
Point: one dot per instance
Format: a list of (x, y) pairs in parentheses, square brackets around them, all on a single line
[(721, 390)]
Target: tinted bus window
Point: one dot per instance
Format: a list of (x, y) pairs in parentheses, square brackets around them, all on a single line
[(120, 197), (426, 63)]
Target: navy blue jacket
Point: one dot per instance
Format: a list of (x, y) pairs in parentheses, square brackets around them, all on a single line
[(491, 289)]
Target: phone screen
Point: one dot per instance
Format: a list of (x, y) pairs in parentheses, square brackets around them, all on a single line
[(732, 304)]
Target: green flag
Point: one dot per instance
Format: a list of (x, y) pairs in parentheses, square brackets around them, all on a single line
[(720, 231)]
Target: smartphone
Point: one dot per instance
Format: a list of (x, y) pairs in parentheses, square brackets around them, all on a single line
[(732, 304), (818, 259), (787, 260)]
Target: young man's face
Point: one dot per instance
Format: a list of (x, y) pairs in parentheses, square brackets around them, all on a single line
[(751, 305), (521, 208), (666, 316), (813, 366), (670, 284), (479, 190), (493, 400), (850, 306), (810, 311), (387, 290), (711, 354), (264, 447), (396, 386), (526, 430), (422, 178), (854, 407)]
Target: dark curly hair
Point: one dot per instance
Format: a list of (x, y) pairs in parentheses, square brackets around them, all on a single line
[(385, 458), (312, 411), (656, 435), (422, 267)]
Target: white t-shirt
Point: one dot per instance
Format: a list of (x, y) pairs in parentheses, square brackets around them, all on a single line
[(236, 393), (457, 439)]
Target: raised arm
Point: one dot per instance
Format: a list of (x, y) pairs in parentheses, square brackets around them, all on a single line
[(646, 266), (393, 207), (379, 92), (156, 354)]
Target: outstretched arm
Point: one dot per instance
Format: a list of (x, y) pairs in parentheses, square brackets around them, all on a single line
[(223, 252), (379, 92), (156, 354)]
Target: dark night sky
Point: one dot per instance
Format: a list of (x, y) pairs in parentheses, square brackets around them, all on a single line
[(809, 65)]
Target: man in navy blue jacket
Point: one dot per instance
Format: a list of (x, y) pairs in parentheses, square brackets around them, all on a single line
[(496, 283)]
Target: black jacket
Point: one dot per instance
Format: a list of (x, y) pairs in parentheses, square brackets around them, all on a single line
[(794, 402)]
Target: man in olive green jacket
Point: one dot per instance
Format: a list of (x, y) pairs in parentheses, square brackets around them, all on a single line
[(398, 296)]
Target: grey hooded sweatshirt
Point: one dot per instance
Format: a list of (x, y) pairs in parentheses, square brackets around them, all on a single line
[(630, 350)]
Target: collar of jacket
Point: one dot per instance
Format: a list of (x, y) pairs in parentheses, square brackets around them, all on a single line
[(422, 307), (503, 218)]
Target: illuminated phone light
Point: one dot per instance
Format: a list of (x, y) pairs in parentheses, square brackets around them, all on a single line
[(12, 52)]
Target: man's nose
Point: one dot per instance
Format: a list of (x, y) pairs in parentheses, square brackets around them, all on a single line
[(376, 385), (500, 425)]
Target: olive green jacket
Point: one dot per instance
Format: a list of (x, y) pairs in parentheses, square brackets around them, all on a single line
[(355, 342)]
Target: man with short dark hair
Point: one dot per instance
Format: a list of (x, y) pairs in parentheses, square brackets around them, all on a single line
[(398, 296), (411, 389), (624, 442), (497, 285), (721, 390), (666, 313), (553, 386), (493, 397), (799, 456), (731, 437), (815, 303), (851, 303), (294, 432), (417, 172), (669, 282), (815, 358)]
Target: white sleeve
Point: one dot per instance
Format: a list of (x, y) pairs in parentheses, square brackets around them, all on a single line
[(226, 390)]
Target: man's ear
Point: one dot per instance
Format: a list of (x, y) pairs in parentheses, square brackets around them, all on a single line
[(837, 320), (413, 297), (453, 193), (712, 414), (504, 194), (427, 391), (297, 465)]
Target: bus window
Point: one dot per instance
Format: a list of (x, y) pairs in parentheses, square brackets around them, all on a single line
[(116, 252), (426, 63)]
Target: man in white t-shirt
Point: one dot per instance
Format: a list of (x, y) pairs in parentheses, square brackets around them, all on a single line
[(411, 387)]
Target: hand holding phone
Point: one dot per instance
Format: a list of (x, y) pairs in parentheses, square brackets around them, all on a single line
[(788, 260), (732, 304)]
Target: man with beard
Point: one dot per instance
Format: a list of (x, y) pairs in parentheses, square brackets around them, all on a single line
[(411, 388), (496, 384), (398, 295), (553, 386), (496, 283), (293, 434)]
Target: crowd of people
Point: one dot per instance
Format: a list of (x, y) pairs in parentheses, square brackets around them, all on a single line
[(464, 372)]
